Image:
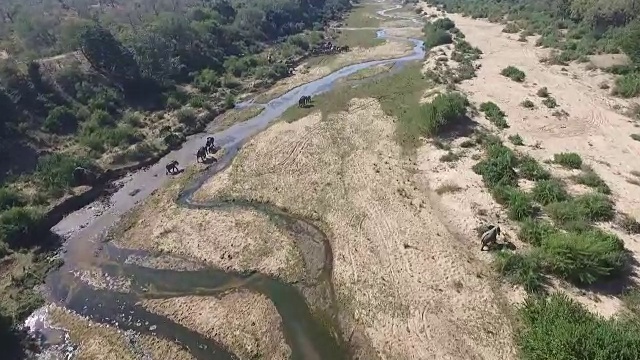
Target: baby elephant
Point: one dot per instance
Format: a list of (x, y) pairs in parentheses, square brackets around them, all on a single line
[(172, 167), (489, 237)]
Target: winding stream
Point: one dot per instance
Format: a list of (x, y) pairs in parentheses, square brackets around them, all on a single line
[(308, 336)]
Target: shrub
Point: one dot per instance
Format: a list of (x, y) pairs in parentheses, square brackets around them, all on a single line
[(55, 172), (535, 232), (186, 116), (584, 258), (628, 85), (521, 269), (132, 119), (467, 144), (543, 92), (635, 137), (443, 111), (511, 28), (444, 24), (516, 140), (568, 160), (530, 169), (10, 198), (61, 120), (550, 102), (519, 206), (513, 73), (437, 37), (526, 103), (174, 140), (449, 157), (557, 327), (549, 191), (197, 101), (591, 179), (629, 224), (582, 209), (18, 226), (494, 114), (497, 169)]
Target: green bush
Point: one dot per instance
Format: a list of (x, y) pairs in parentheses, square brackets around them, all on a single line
[(10, 198), (186, 116), (497, 169), (584, 258), (19, 226), (530, 169), (513, 73), (61, 120), (549, 191), (629, 224), (55, 172), (591, 179), (444, 24), (628, 85), (550, 102), (443, 111), (494, 114), (520, 206), (449, 157), (535, 232), (436, 37), (511, 28), (557, 327), (521, 269), (516, 140), (543, 92), (582, 209), (526, 103), (635, 137), (568, 160)]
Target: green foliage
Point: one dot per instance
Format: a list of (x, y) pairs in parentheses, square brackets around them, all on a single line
[(444, 24), (549, 191), (558, 327), (494, 114), (443, 112), (513, 73), (591, 179), (10, 198), (511, 28), (60, 120), (550, 102), (18, 226), (519, 206), (497, 169), (584, 258), (516, 140), (524, 269), (186, 116), (629, 224), (436, 33), (535, 232), (531, 169), (568, 160), (528, 104), (585, 208), (55, 172)]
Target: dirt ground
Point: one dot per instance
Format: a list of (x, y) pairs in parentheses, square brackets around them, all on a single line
[(414, 289), (318, 68), (246, 322), (233, 239), (99, 342), (594, 128)]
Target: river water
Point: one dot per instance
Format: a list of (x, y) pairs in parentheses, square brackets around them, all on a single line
[(308, 335)]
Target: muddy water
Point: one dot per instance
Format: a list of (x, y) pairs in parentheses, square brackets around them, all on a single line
[(308, 335)]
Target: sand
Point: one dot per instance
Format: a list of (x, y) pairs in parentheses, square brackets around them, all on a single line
[(412, 287), (248, 324), (233, 239), (594, 128), (100, 342)]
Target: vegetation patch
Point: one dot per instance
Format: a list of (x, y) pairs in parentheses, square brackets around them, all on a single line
[(437, 32), (568, 160), (516, 140), (513, 73), (526, 103), (543, 92), (494, 114), (550, 102), (549, 191), (530, 169), (582, 209), (590, 178), (635, 137)]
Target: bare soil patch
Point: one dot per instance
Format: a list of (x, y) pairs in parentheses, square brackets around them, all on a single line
[(413, 289), (247, 323)]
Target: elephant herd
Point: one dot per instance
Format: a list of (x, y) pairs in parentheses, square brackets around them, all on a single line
[(304, 101), (201, 156)]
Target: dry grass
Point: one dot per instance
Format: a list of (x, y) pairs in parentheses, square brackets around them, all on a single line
[(246, 322), (106, 343), (234, 116), (447, 188)]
